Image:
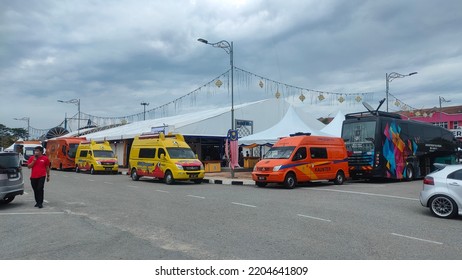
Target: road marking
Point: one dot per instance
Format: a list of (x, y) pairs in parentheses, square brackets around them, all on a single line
[(363, 193), (109, 183), (162, 191), (315, 218), (195, 196), (65, 176), (31, 213), (415, 238), (91, 180), (26, 193), (46, 201), (135, 187), (242, 204)]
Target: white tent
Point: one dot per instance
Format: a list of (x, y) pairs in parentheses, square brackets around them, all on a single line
[(290, 123), (334, 128)]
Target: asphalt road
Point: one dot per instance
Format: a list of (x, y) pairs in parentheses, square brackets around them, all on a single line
[(112, 217)]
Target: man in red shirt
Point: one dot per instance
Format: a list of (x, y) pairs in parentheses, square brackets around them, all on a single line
[(40, 165)]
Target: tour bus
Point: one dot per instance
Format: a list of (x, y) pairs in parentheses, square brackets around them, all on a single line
[(166, 157), (61, 152), (95, 157), (383, 145), (303, 158)]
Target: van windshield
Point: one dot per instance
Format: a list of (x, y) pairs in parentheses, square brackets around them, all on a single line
[(72, 150), (103, 154), (279, 152), (181, 153)]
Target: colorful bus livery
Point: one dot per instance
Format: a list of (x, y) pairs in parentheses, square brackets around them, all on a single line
[(382, 145)]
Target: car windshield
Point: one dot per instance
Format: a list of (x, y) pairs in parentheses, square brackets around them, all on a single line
[(181, 153), (72, 150), (9, 160), (279, 152), (103, 154)]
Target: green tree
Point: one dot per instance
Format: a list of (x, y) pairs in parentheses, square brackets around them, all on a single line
[(10, 135)]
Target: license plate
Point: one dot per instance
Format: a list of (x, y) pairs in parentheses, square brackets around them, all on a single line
[(262, 178), (108, 168), (14, 175), (193, 176)]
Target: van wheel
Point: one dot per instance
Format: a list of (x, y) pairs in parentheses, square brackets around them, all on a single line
[(339, 178), (92, 170), (409, 173), (290, 181), (7, 200), (61, 167), (260, 184), (134, 175), (168, 179), (77, 169)]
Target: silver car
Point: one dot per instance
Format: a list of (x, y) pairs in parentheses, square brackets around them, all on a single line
[(442, 191), (11, 180)]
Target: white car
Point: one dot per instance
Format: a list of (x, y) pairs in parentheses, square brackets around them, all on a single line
[(442, 191)]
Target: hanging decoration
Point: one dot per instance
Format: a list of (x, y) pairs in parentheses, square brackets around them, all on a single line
[(277, 94), (302, 97), (321, 97), (397, 103), (261, 84), (218, 83), (341, 99), (358, 98)]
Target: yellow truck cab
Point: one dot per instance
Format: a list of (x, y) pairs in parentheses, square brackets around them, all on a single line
[(95, 157), (166, 157)]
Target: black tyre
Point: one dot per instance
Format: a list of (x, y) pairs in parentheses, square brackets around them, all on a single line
[(409, 173), (61, 167), (92, 170), (339, 178), (443, 207), (134, 175), (290, 181), (261, 184), (7, 200), (198, 181), (168, 179), (77, 169)]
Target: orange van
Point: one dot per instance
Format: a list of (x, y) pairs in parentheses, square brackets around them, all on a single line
[(61, 151), (303, 158)]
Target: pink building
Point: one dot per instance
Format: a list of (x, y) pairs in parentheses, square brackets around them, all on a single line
[(449, 118)]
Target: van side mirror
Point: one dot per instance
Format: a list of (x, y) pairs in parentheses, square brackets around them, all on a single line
[(162, 156)]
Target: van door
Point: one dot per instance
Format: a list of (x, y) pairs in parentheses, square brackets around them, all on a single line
[(321, 165), (159, 169), (302, 170)]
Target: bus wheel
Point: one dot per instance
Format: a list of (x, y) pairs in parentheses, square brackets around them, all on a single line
[(290, 181), (260, 184), (409, 173), (168, 179), (92, 170), (134, 175), (339, 178), (77, 169)]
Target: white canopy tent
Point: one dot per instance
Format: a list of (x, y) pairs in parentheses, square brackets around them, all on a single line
[(334, 128), (289, 124)]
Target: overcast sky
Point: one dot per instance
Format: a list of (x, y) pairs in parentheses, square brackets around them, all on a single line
[(115, 54)]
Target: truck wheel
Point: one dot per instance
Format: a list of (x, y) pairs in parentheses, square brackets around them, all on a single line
[(168, 179), (7, 200), (339, 178), (260, 184), (134, 175), (290, 181), (409, 173)]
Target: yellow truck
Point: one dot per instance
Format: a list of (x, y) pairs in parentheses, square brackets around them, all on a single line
[(166, 157), (95, 157)]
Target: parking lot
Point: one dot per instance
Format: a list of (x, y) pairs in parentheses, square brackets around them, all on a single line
[(113, 217)]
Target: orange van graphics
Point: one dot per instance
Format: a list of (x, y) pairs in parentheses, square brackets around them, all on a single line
[(61, 152), (167, 157), (303, 158)]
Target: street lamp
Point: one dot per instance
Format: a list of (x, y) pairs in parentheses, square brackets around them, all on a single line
[(393, 75), (28, 124), (228, 48), (77, 102), (442, 100), (144, 104)]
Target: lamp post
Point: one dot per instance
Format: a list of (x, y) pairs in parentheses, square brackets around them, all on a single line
[(144, 104), (442, 100), (27, 119), (77, 102), (391, 76), (228, 48)]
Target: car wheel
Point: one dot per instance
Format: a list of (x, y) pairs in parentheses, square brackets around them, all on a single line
[(409, 173), (443, 206), (168, 179), (92, 170), (134, 175), (7, 200), (339, 178), (290, 181), (260, 184)]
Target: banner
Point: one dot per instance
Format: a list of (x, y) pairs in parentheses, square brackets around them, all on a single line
[(234, 148)]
